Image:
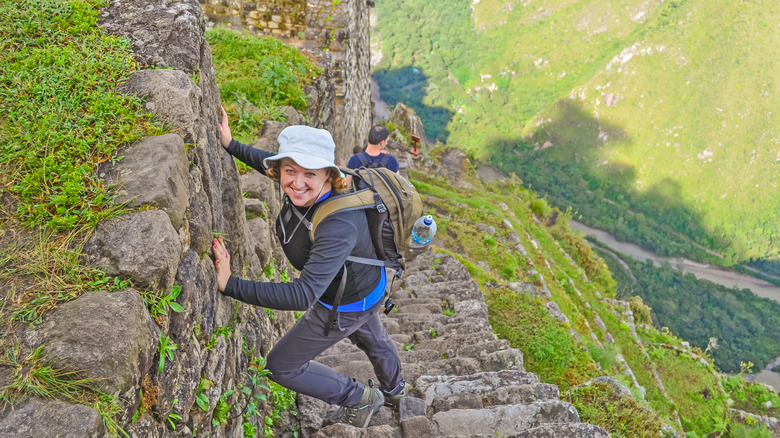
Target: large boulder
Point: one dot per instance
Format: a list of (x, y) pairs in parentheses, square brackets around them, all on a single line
[(141, 246), (38, 418), (107, 336), (170, 95), (153, 171), (164, 34)]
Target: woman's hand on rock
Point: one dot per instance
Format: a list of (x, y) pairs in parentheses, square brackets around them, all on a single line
[(221, 263), (224, 130)]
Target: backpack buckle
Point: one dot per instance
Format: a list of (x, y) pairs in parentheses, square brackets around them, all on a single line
[(381, 208)]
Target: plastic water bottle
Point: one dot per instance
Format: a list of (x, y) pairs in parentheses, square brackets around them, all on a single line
[(422, 233)]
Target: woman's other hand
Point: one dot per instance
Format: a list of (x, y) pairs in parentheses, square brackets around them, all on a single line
[(224, 130), (221, 262)]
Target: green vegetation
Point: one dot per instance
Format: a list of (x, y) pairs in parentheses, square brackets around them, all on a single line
[(751, 397), (60, 114), (44, 270), (619, 415), (158, 305), (697, 310), (255, 75), (165, 349), (60, 119), (549, 351), (619, 110), (694, 389), (32, 375)]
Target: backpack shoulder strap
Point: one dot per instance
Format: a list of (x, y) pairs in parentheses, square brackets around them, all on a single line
[(363, 158), (385, 160), (351, 201)]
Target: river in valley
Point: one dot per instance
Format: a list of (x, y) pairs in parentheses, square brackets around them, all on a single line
[(702, 271)]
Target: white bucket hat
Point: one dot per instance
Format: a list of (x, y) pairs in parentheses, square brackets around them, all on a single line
[(310, 148)]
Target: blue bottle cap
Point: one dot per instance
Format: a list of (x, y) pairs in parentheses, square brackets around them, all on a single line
[(428, 220)]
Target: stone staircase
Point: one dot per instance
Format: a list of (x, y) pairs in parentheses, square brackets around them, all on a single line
[(465, 381)]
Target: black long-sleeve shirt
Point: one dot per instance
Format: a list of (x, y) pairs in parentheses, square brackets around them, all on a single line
[(320, 262)]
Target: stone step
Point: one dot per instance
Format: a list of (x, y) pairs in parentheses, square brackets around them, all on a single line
[(432, 387), (421, 308), (446, 330), (413, 322), (564, 430), (400, 303), (446, 290), (514, 394), (503, 420), (464, 344)]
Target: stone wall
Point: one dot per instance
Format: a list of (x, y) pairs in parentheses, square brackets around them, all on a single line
[(335, 32)]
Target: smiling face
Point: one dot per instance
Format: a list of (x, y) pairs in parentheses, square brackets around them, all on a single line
[(302, 186)]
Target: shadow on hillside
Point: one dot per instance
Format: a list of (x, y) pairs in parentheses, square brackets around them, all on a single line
[(409, 86), (568, 160)]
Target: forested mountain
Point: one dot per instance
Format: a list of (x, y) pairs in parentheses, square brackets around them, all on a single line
[(655, 120)]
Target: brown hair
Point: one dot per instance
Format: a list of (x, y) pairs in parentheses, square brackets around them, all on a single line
[(337, 182)]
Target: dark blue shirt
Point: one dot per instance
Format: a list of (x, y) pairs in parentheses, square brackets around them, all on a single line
[(392, 163)]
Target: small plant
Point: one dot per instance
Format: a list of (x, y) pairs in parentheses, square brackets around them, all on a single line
[(172, 416), (433, 332), (219, 331), (159, 305), (271, 313), (220, 415), (298, 314), (201, 399), (447, 311), (408, 347), (270, 270), (32, 376), (165, 349), (284, 276)]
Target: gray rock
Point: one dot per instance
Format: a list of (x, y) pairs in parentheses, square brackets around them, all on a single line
[(565, 430), (141, 246), (612, 383), (525, 287), (255, 185), (260, 236), (144, 427), (411, 407), (38, 418), (170, 95), (256, 208), (152, 172), (417, 427), (555, 312), (199, 216), (164, 34), (486, 228), (115, 345), (503, 420), (432, 387)]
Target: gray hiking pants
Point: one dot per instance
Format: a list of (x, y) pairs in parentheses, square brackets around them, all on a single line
[(290, 360)]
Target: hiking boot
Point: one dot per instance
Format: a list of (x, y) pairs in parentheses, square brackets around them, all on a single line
[(360, 414), (394, 401)]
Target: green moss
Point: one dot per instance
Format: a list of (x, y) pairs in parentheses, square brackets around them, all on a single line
[(619, 415)]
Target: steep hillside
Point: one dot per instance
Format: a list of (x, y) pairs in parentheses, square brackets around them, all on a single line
[(552, 297), (655, 120)]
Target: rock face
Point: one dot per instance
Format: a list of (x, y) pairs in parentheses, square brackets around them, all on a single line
[(37, 418), (115, 344), (155, 170), (464, 381)]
